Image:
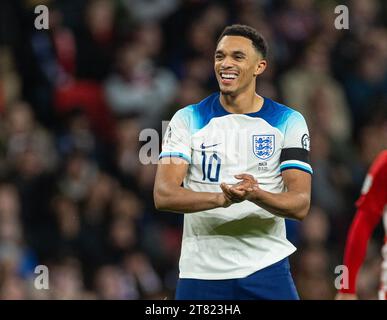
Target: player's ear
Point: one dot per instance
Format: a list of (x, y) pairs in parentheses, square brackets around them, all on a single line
[(260, 67)]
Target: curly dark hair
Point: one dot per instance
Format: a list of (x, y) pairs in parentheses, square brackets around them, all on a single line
[(248, 32)]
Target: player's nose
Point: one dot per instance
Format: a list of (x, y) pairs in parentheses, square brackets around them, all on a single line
[(226, 63)]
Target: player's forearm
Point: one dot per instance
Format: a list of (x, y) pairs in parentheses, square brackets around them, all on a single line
[(291, 204), (356, 246), (354, 254), (182, 200)]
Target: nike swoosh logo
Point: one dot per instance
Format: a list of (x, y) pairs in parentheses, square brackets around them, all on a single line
[(205, 147)]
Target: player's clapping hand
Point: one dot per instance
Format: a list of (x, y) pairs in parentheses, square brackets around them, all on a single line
[(224, 201), (241, 191)]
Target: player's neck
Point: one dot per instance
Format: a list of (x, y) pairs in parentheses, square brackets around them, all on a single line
[(247, 102)]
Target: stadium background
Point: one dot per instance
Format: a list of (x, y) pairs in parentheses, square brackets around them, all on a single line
[(73, 99)]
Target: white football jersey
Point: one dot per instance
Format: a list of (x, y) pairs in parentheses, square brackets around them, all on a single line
[(234, 242)]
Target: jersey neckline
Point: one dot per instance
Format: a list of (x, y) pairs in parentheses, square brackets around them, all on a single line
[(250, 114)]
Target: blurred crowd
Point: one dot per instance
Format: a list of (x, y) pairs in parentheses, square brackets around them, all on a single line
[(73, 100)]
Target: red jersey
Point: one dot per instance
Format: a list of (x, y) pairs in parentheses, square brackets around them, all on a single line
[(371, 208)]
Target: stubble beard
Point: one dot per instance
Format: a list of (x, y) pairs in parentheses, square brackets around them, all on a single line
[(227, 92)]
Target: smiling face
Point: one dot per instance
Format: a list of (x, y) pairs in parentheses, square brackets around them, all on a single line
[(237, 64)]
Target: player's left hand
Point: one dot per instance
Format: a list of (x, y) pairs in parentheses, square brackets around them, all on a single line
[(248, 183), (233, 194), (243, 190)]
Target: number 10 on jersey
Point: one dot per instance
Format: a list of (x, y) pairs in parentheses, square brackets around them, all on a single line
[(211, 167)]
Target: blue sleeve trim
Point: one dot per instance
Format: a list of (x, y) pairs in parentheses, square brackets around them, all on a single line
[(175, 155), (296, 166)]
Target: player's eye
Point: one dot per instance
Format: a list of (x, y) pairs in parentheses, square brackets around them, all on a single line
[(219, 56)]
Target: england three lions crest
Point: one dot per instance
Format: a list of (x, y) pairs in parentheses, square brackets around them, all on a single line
[(263, 146)]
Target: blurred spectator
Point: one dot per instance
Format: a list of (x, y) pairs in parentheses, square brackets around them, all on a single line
[(296, 21), (315, 227), (95, 39), (126, 204), (145, 11), (314, 278), (109, 284), (150, 36), (66, 280), (78, 176), (10, 84), (17, 261), (148, 282), (77, 135), (325, 193), (13, 288), (364, 15), (368, 79), (27, 142), (127, 147), (140, 86), (68, 227), (312, 90), (122, 238)]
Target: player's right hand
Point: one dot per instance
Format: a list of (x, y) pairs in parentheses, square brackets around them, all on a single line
[(232, 194), (346, 296), (224, 201)]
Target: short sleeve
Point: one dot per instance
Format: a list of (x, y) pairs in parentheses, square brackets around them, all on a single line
[(295, 151), (374, 191), (177, 138)]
